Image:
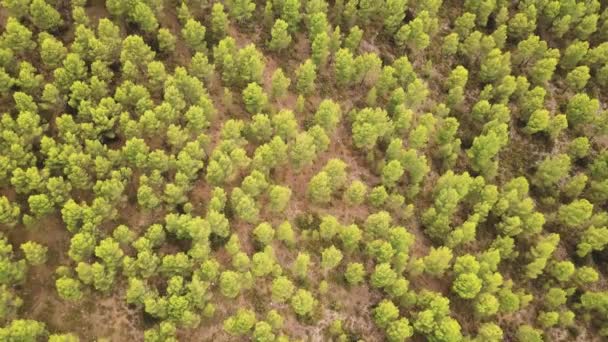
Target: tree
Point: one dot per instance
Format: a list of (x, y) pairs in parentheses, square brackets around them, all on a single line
[(303, 150), (17, 36), (69, 289), (450, 44), (264, 233), (320, 49), (286, 234), (593, 239), (399, 330), (254, 184), (539, 121), (35, 253), (166, 40), (577, 78), (467, 285), (336, 171), (282, 289), (230, 284), (528, 334), (486, 305), (249, 65), (40, 205), (279, 198), (260, 128), (484, 148), (385, 313), (306, 74), (575, 214), (241, 10), (300, 265), (573, 54), (279, 84), (193, 33), (219, 21), (330, 258), (263, 332), (63, 338), (581, 109), (303, 302), (52, 52), (542, 71), (9, 212), (355, 193), (587, 26), (317, 25), (290, 12), (383, 276), (551, 170), (495, 66), (579, 148), (200, 66), (391, 173), (355, 273), (319, 188), (328, 115), (280, 37), (143, 15), (378, 196), (437, 261), (255, 98), (109, 251), (44, 16), (263, 262), (240, 323), (489, 332), (344, 65), (82, 246), (23, 330), (394, 14)]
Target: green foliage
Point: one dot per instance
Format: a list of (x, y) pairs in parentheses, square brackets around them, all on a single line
[(35, 253), (437, 261), (551, 170), (166, 40), (306, 74), (303, 303), (467, 285), (330, 257), (240, 323), (69, 289), (280, 84), (280, 36), (254, 98), (44, 16), (575, 214), (241, 10), (219, 21), (528, 333), (282, 289), (355, 193), (481, 127), (23, 330), (385, 313), (320, 188), (264, 233), (355, 273), (230, 284), (581, 109)]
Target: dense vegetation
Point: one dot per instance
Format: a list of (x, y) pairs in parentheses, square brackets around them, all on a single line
[(303, 170)]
